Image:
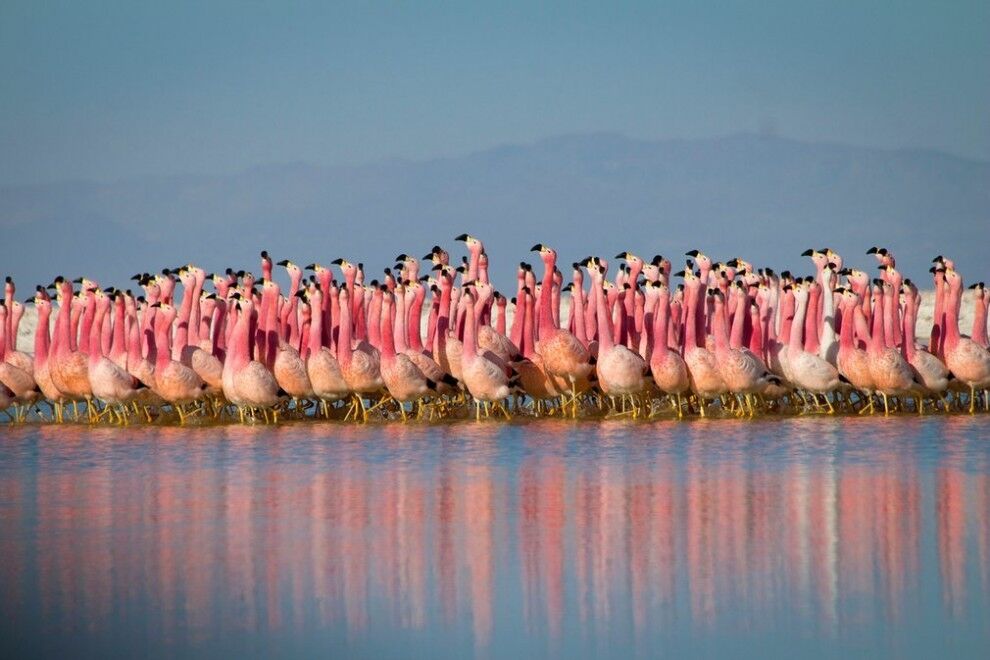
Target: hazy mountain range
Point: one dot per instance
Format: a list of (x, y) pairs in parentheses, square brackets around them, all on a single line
[(762, 198)]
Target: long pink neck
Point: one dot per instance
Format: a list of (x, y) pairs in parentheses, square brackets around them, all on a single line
[(526, 320), (661, 327), (344, 348), (890, 320), (42, 342), (415, 316), (163, 354), (719, 327), (470, 338), (951, 315), (605, 329), (239, 353), (118, 349), (546, 326), (387, 333), (375, 319), (877, 341), (315, 325), (89, 312), (910, 319), (739, 320), (690, 325), (811, 322), (401, 332), (846, 331)]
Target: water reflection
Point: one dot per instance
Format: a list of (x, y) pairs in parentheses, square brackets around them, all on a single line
[(548, 537)]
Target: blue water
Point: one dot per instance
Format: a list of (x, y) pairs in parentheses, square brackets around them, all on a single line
[(814, 536)]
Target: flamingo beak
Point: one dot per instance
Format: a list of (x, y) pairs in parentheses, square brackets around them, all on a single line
[(537, 248), (807, 253), (461, 237)]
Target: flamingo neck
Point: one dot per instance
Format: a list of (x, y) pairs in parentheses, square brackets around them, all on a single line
[(546, 299), (605, 337), (387, 333), (42, 342), (526, 323)]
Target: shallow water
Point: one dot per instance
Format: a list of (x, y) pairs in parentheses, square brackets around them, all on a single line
[(819, 536)]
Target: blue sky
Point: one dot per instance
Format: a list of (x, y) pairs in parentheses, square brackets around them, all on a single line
[(109, 90)]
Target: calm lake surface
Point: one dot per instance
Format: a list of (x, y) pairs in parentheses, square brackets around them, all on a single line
[(825, 537)]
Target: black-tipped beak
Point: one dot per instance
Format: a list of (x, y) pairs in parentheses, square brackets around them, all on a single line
[(807, 253), (78, 280), (338, 261), (29, 300), (311, 267), (428, 256), (437, 267), (622, 255), (872, 250), (300, 294), (402, 257), (461, 237), (537, 248), (156, 305), (732, 263), (136, 278), (284, 262), (679, 273), (692, 253), (937, 259), (424, 278)]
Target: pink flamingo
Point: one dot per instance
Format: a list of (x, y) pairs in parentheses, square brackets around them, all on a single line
[(176, 383), (854, 362), (361, 367), (621, 372), (928, 369), (485, 380), (322, 366), (247, 383), (68, 367), (111, 383), (742, 372), (667, 366), (968, 361), (403, 379), (706, 382), (808, 371), (564, 357), (892, 375)]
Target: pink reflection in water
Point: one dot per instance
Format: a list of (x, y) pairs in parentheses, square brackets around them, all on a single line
[(272, 536)]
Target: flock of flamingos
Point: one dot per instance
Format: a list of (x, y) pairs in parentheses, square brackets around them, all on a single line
[(728, 340)]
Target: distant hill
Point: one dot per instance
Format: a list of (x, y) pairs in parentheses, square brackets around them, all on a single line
[(763, 198)]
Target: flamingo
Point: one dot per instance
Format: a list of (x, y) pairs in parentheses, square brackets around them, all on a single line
[(110, 382), (621, 372), (667, 366), (360, 367), (322, 366), (853, 362), (706, 382), (742, 372), (807, 370), (175, 382), (564, 357), (928, 369), (968, 361), (890, 371), (247, 383), (485, 380), (403, 379)]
